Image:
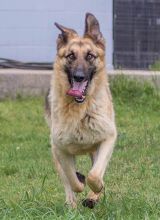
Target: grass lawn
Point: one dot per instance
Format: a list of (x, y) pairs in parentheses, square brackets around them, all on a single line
[(155, 66), (30, 187)]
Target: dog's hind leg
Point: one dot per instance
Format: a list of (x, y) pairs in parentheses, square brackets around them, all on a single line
[(68, 166), (104, 152), (70, 195)]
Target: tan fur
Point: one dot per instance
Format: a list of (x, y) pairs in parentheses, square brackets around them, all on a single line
[(81, 128)]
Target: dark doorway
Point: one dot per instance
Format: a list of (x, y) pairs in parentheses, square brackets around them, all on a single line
[(136, 33)]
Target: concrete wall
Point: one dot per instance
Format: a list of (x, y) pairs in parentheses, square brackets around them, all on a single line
[(27, 29), (15, 83)]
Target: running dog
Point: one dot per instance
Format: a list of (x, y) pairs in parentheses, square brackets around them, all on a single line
[(79, 110)]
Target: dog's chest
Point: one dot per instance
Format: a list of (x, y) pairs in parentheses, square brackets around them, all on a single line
[(75, 130)]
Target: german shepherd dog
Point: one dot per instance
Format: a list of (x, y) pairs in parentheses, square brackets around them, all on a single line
[(79, 110)]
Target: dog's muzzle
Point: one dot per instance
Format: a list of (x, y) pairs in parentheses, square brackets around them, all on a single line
[(78, 86)]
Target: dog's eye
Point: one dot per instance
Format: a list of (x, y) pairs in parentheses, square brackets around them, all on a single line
[(71, 57), (90, 57)]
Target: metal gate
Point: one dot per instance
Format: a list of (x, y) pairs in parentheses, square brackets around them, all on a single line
[(136, 33)]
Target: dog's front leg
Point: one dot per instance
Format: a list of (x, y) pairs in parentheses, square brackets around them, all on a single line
[(67, 163), (104, 152), (70, 196), (100, 159)]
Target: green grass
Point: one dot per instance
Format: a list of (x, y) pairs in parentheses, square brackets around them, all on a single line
[(30, 187), (155, 66)]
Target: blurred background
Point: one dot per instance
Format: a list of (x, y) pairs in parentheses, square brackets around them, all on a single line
[(131, 29), (28, 32)]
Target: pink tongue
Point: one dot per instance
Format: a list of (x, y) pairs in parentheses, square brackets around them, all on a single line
[(77, 89), (74, 93)]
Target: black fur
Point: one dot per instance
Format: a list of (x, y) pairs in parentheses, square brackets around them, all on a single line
[(81, 177), (90, 203)]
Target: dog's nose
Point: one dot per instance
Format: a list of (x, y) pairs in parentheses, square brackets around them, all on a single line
[(78, 78)]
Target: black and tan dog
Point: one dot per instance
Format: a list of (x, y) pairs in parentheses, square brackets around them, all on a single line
[(79, 110)]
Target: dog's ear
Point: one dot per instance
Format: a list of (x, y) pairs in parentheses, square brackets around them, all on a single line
[(92, 30), (65, 36)]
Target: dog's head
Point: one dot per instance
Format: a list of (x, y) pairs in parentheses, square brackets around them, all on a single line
[(81, 58)]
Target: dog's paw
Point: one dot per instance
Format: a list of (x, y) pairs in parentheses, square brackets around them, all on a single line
[(90, 203), (81, 177)]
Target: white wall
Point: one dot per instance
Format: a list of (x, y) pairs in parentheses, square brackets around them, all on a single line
[(27, 30)]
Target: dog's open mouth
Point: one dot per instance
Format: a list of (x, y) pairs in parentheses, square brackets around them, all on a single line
[(78, 91)]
